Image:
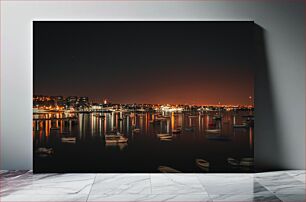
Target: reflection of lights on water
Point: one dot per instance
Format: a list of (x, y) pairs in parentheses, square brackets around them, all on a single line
[(172, 120), (128, 120), (251, 137)]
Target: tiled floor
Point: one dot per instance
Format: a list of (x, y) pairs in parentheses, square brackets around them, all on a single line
[(271, 186)]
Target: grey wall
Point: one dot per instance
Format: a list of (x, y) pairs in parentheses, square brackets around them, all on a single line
[(280, 77)]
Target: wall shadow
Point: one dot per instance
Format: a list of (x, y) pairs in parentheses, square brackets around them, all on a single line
[(267, 146)]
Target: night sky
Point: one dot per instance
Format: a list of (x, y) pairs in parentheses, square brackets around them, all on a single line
[(146, 62)]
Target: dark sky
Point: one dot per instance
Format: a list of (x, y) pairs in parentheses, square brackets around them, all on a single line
[(145, 62)]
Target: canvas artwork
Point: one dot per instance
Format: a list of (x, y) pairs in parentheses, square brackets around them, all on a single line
[(143, 96)]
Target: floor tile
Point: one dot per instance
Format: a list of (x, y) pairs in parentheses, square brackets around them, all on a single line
[(219, 184), (281, 183), (43, 198), (245, 198), (176, 184), (48, 184), (291, 197), (298, 175), (121, 184), (150, 198)]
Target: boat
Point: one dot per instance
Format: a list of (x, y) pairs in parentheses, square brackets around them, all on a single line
[(243, 125), (247, 162), (166, 138), (115, 138), (176, 131), (203, 164), (217, 130), (69, 140), (163, 135), (136, 130), (166, 169), (233, 162), (44, 152)]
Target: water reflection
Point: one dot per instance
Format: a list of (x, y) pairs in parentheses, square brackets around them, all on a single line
[(193, 135)]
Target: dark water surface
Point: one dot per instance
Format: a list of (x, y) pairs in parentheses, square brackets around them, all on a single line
[(144, 152)]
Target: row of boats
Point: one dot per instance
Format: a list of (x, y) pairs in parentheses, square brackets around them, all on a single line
[(243, 163)]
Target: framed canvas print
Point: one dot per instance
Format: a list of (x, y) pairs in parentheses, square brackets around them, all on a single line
[(143, 96)]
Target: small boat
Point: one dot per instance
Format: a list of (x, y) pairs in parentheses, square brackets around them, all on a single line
[(176, 131), (163, 135), (233, 162), (44, 152), (166, 169), (247, 162), (136, 130), (244, 125), (203, 164), (166, 138), (117, 138), (69, 140), (213, 130)]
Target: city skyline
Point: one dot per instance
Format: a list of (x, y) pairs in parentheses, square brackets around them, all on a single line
[(196, 63), (106, 100)]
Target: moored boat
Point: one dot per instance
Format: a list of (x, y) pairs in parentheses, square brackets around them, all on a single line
[(203, 164), (166, 169), (243, 125), (217, 130), (136, 130), (163, 135), (116, 138), (44, 152), (176, 131), (233, 162), (69, 140), (247, 162)]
